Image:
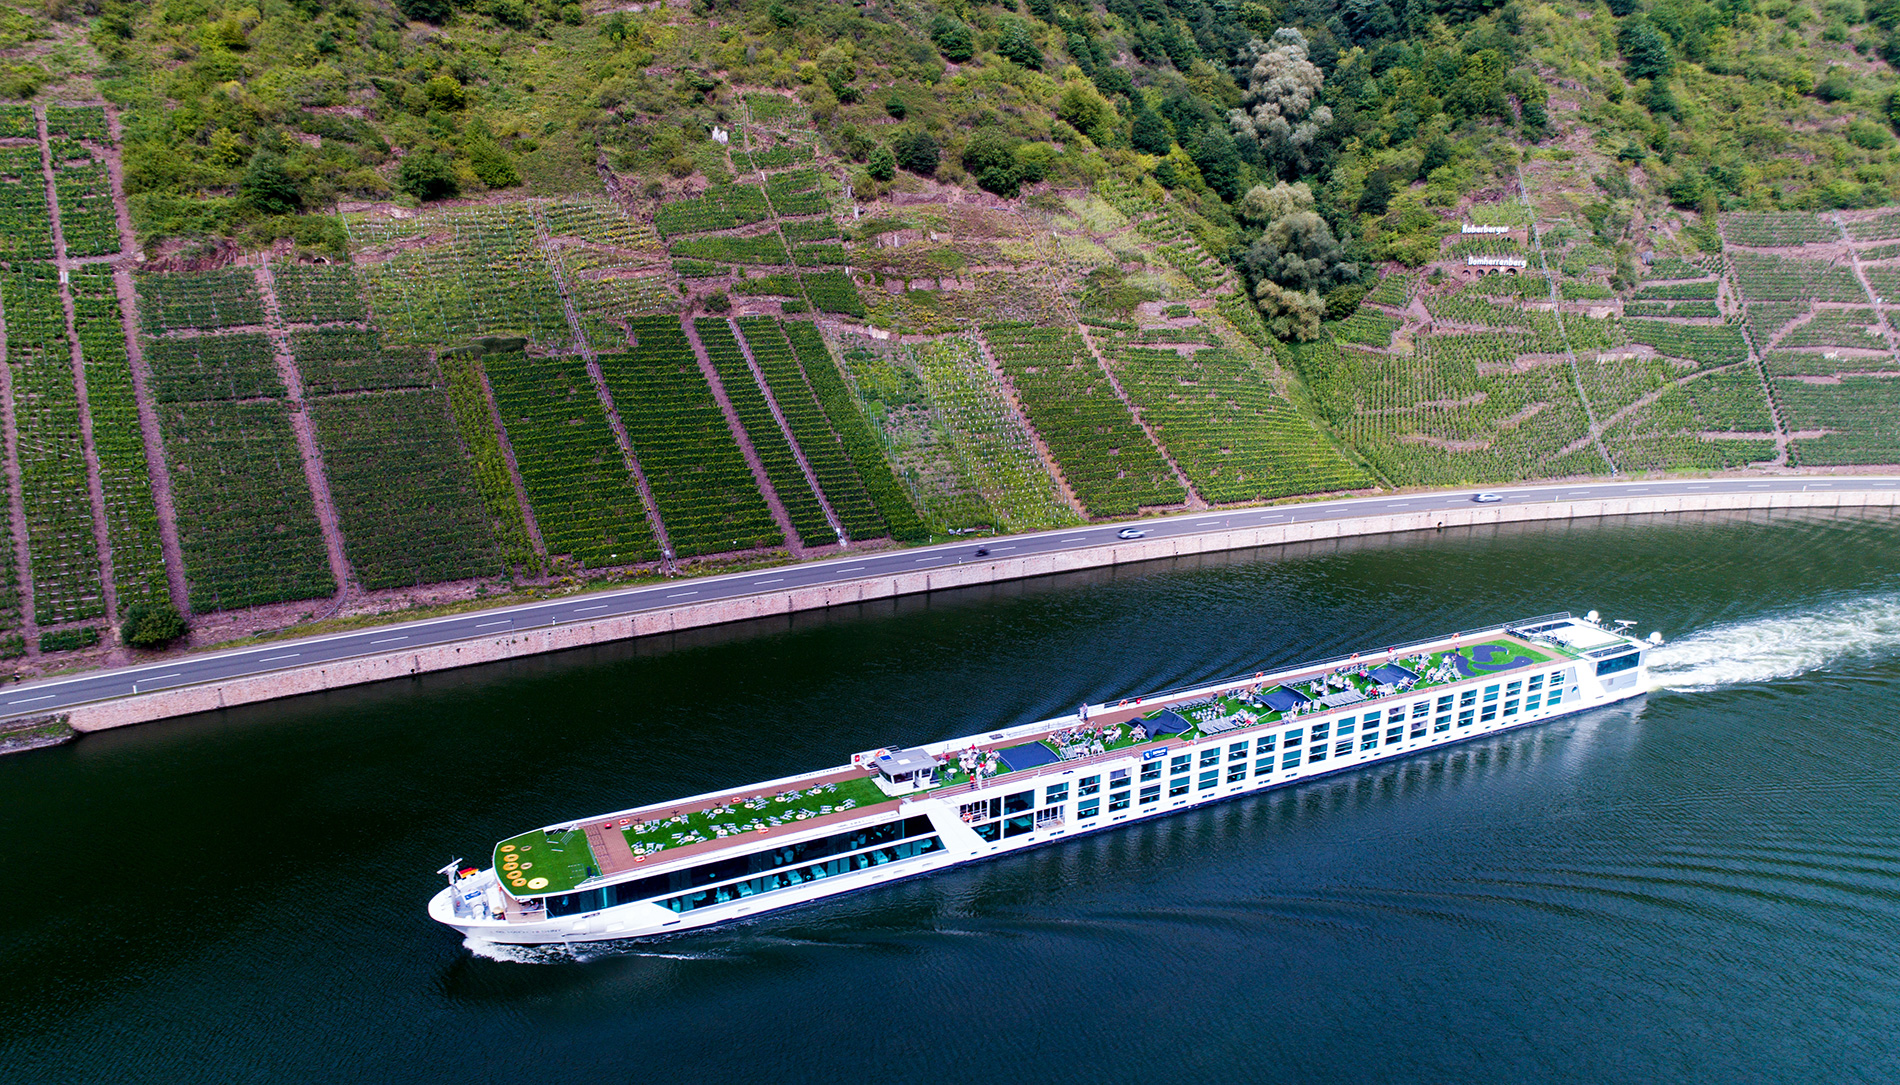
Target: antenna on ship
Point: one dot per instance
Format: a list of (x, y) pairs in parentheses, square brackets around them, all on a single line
[(1623, 624)]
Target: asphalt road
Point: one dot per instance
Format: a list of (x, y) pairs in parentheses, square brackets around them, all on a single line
[(58, 693)]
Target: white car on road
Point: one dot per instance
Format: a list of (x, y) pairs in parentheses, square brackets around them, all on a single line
[(1130, 533), (1486, 498)]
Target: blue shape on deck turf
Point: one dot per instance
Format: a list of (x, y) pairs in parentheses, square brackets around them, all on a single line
[(1027, 756)]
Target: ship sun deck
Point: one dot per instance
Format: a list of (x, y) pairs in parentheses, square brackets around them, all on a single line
[(561, 858)]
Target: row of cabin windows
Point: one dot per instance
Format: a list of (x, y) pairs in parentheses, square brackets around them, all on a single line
[(1402, 722)]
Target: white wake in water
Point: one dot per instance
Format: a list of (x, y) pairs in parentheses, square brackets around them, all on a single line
[(1780, 646)]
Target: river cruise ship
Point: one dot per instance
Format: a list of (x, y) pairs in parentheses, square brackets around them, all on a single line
[(901, 812)]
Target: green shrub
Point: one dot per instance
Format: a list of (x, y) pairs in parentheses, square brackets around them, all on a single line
[(426, 176), (152, 624)]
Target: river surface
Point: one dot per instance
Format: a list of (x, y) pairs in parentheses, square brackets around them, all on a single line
[(1702, 885)]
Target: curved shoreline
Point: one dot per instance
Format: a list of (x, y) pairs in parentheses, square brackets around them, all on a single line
[(264, 684)]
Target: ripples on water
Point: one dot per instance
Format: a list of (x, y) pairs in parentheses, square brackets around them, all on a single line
[(1703, 885)]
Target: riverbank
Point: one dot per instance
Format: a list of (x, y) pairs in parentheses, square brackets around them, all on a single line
[(517, 643)]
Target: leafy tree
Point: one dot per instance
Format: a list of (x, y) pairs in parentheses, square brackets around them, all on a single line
[(1278, 106), (1214, 155), (883, 164), (1150, 134), (1377, 195), (268, 186), (152, 624), (990, 156), (1645, 50), (446, 92), (917, 151), (896, 108), (426, 176), (953, 39), (1086, 111), (1018, 43), (491, 164), (426, 11), (1291, 263)]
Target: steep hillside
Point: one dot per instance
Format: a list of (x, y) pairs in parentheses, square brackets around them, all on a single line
[(318, 310)]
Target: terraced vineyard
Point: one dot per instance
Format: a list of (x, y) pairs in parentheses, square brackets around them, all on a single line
[(199, 299), (485, 277), (837, 476), (204, 367), (965, 456), (468, 402), (705, 491), (353, 360), (1105, 457), (26, 223), (583, 495), (1859, 418), (1236, 439), (245, 515), (138, 563), (762, 429), (86, 216), (319, 293), (854, 433), (403, 489)]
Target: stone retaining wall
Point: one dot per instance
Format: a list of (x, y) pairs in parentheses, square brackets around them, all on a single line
[(166, 704)]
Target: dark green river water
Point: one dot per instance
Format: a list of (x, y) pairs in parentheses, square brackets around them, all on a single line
[(1703, 885)]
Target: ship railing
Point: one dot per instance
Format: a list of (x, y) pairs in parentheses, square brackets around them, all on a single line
[(1207, 688)]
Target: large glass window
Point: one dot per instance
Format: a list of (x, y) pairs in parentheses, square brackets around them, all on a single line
[(1293, 737), (1049, 817), (1531, 702), (1320, 731), (1444, 703), (1490, 713), (738, 866), (1442, 723), (1490, 694), (1316, 752), (1210, 756), (1180, 764), (1264, 766), (1345, 727), (991, 832), (1018, 826), (1210, 779), (1236, 772), (1290, 760), (1177, 787), (1265, 744), (1394, 734), (1237, 752), (1151, 770), (1369, 741), (1117, 778), (1465, 716), (1150, 794), (1342, 748), (1467, 698), (1557, 678), (1117, 800), (782, 879), (1556, 697), (1019, 802), (1418, 728), (1536, 682), (1514, 688), (1620, 663), (1510, 708), (1057, 793), (1088, 785), (1087, 808), (1422, 709)]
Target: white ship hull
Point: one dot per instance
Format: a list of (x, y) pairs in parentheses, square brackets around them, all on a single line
[(1137, 784)]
